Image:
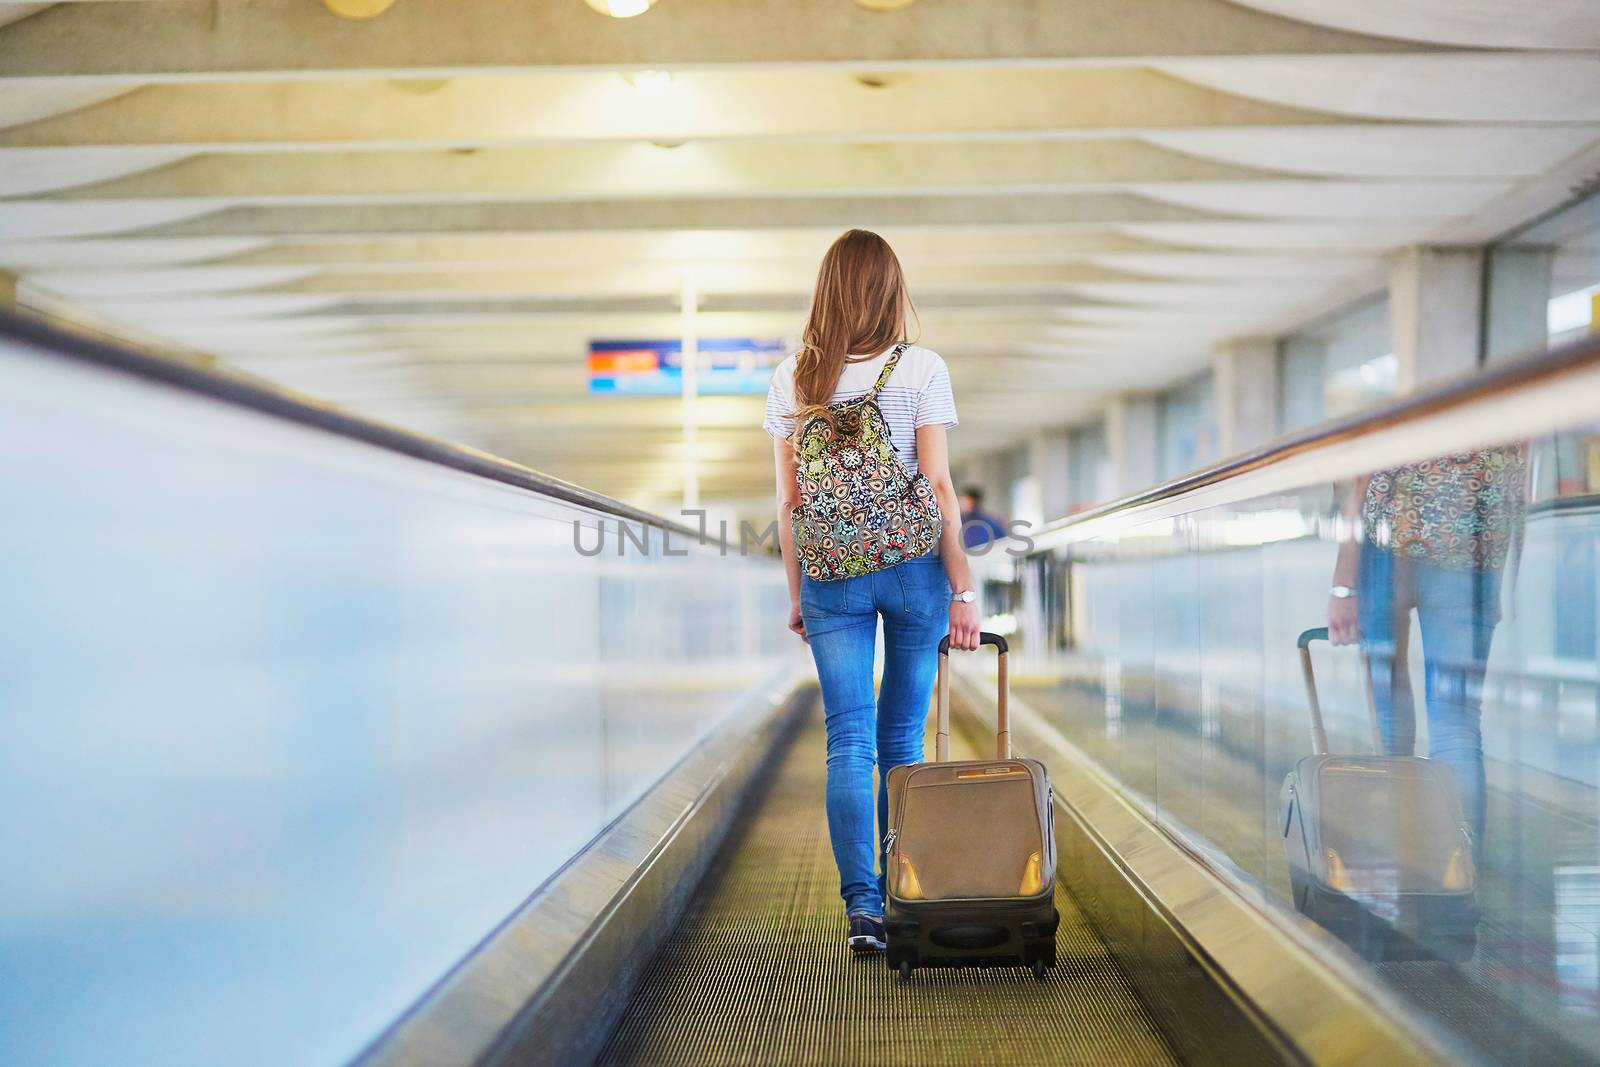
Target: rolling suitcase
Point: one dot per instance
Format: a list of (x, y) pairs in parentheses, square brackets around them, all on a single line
[(1379, 852), (970, 853)]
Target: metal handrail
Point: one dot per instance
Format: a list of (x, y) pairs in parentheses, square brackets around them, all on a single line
[(1455, 393), (298, 408)]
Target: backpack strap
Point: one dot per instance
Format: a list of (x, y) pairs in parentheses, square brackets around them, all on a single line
[(888, 369)]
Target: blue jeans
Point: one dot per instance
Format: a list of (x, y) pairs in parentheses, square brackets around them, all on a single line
[(841, 620), (1457, 609)]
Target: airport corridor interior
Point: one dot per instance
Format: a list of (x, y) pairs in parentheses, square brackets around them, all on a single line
[(394, 668)]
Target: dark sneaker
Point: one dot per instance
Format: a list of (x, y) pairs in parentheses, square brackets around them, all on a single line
[(866, 932)]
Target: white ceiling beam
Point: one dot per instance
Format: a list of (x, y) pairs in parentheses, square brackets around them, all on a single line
[(114, 254), (627, 169), (1091, 210), (37, 171), (623, 170), (546, 108), (1308, 200), (505, 381), (11, 11), (1444, 87), (1560, 24), (968, 244), (527, 341), (295, 37), (479, 338), (712, 412), (31, 101), (1297, 236), (1389, 150), (713, 279)]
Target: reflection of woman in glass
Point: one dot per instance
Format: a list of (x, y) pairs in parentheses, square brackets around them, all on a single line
[(1436, 538)]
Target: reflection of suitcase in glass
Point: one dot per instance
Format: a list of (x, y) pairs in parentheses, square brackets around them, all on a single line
[(1379, 852)]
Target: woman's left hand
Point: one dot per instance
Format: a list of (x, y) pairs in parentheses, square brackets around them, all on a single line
[(797, 622), (963, 625)]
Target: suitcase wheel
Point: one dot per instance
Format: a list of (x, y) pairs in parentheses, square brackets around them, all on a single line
[(1039, 969), (905, 970)]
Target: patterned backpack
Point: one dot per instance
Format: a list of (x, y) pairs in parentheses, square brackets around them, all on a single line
[(861, 510)]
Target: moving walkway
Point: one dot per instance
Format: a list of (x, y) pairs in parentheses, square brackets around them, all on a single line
[(757, 972), (388, 774)]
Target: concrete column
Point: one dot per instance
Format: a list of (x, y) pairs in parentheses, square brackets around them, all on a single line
[(1131, 429), (987, 471), (1245, 391), (1008, 466), (8, 290), (1519, 301), (1018, 488), (1435, 313), (975, 472), (1049, 462)]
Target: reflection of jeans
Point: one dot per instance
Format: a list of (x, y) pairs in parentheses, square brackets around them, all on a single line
[(1457, 609), (841, 620)]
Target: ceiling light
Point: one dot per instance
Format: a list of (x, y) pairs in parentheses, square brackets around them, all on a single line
[(358, 9), (649, 82), (885, 5), (621, 9)]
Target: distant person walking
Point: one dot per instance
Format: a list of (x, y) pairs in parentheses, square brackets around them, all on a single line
[(858, 418), (978, 527)]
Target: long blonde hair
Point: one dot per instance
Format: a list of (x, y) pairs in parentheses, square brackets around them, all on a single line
[(860, 305)]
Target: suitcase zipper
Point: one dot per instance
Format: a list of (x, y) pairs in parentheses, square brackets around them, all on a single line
[(888, 840)]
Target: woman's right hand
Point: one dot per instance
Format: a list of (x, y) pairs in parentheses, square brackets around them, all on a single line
[(963, 625), (1343, 625)]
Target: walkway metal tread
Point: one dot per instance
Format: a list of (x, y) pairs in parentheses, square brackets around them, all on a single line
[(758, 973)]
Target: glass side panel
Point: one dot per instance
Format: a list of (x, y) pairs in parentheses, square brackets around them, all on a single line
[(1089, 467), (1544, 282), (1188, 427), (289, 723), (1450, 840), (1339, 365)]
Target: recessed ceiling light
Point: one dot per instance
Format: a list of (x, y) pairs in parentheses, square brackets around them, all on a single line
[(621, 9), (874, 81), (358, 9), (669, 144), (885, 5)]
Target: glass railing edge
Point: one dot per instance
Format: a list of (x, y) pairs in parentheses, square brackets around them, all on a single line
[(1501, 379), (279, 402)]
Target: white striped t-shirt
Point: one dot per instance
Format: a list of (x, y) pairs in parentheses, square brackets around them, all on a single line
[(917, 394)]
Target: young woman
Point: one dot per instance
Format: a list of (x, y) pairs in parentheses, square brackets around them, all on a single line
[(869, 527)]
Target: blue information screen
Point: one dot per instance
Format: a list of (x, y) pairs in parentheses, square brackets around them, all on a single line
[(729, 366)]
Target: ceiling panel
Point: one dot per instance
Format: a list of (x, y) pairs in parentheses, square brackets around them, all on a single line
[(428, 215)]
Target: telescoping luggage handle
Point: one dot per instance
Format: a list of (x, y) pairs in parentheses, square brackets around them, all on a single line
[(1002, 737), (1319, 733)]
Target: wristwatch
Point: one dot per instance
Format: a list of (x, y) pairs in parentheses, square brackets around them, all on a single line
[(1342, 592), (966, 596)]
